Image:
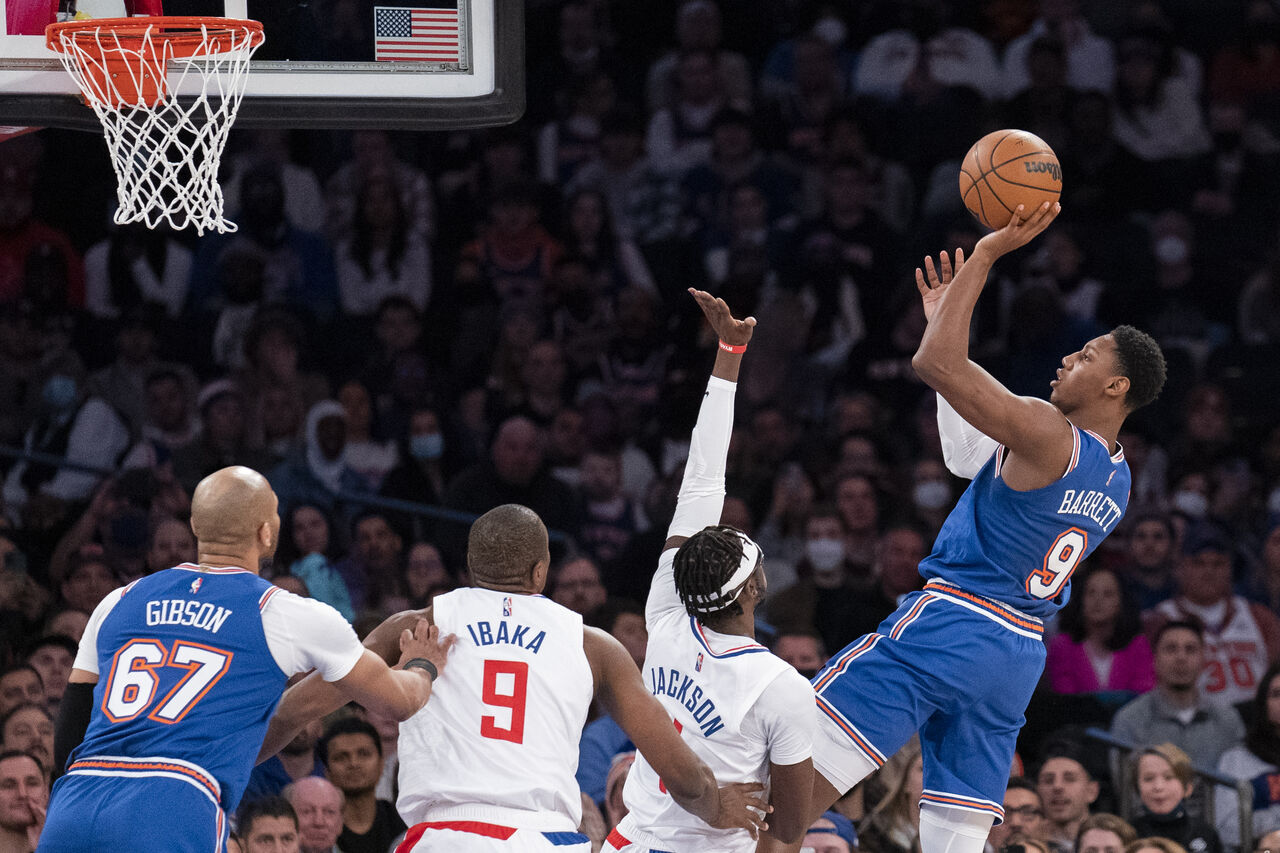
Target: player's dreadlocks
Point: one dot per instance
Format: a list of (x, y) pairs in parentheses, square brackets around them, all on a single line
[(702, 566)]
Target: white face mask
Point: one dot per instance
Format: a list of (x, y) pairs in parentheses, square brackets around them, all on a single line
[(824, 554), (1193, 504), (1171, 250), (931, 494)]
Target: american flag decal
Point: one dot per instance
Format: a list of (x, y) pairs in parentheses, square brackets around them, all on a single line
[(413, 34)]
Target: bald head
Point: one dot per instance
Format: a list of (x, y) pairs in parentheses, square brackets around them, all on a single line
[(505, 547), (229, 509)]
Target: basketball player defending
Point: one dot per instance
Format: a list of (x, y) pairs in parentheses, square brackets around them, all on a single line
[(178, 673), (742, 710), (958, 660), (491, 768)]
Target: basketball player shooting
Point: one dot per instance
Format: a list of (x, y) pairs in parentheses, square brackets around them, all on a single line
[(745, 712), (492, 769), (958, 660)]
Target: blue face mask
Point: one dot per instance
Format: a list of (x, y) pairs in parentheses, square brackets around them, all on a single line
[(59, 392), (429, 446)]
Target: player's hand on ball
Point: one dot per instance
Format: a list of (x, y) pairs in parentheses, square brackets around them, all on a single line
[(424, 641), (933, 281), (731, 331), (1021, 230), (743, 805)]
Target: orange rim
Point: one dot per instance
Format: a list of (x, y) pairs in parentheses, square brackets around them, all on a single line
[(129, 75), (184, 34)]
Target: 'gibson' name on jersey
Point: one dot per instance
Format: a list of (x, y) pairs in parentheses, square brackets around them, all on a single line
[(176, 611), (1091, 504)]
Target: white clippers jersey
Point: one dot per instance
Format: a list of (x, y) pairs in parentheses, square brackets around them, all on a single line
[(709, 683), (498, 742), (1235, 650)]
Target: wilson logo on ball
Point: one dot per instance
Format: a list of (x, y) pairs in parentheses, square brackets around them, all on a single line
[(1054, 170)]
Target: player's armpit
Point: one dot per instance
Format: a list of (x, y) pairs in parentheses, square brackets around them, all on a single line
[(791, 790)]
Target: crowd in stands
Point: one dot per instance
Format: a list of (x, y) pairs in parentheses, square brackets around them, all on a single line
[(409, 329)]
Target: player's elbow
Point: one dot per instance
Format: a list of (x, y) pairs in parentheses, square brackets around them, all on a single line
[(787, 825)]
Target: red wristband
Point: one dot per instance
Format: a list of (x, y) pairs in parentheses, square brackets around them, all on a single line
[(734, 349)]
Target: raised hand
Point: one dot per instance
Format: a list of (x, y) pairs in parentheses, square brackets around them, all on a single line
[(743, 806), (1022, 228), (731, 331), (424, 641), (933, 281)]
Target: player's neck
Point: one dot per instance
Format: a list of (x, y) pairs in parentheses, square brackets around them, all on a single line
[(742, 625), (247, 560)]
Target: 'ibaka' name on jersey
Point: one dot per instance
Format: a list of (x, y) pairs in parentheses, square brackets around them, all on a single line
[(178, 611), (484, 634), (1091, 504), (668, 681)]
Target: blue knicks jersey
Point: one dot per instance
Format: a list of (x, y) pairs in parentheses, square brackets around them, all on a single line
[(184, 672), (1021, 548)]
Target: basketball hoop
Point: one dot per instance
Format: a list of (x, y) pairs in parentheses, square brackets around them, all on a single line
[(165, 139)]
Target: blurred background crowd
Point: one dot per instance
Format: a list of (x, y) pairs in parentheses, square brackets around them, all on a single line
[(409, 329)]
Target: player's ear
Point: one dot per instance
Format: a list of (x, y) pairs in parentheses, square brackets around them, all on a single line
[(1118, 386), (538, 573), (264, 534)]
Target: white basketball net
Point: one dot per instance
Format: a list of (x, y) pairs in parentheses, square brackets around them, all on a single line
[(166, 153)]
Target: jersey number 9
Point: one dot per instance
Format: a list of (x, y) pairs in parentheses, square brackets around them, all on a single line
[(1059, 562)]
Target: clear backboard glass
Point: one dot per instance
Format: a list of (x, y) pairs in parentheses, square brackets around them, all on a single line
[(411, 64)]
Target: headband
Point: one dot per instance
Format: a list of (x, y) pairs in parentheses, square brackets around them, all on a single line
[(751, 556)]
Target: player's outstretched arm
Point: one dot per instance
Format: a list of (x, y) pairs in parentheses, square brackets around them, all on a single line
[(701, 498), (1028, 426), (688, 779), (313, 697)]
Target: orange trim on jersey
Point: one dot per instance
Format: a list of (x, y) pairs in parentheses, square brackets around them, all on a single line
[(972, 805), (102, 764), (266, 596), (987, 604), (843, 661), (859, 742), (911, 616), (134, 666), (1075, 450)]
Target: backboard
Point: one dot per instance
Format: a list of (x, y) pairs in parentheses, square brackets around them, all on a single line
[(395, 64)]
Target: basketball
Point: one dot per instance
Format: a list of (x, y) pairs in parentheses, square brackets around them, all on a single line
[(1007, 168)]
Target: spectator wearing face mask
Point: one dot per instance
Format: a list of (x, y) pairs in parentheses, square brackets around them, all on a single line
[(824, 600), (71, 424)]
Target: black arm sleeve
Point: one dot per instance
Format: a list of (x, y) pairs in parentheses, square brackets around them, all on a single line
[(73, 721)]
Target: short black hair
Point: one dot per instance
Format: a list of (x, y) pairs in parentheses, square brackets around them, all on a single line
[(1065, 748), (703, 564), (62, 641), (264, 807), (6, 754), (605, 617), (1190, 623), (346, 726), (22, 667), (505, 544), (1138, 357), (1022, 783)]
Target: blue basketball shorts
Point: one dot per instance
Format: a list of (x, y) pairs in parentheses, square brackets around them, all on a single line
[(957, 668), (137, 806)]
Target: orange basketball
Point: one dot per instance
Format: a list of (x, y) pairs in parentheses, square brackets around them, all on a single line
[(1005, 169)]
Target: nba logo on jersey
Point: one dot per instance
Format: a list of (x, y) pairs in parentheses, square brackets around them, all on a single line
[(195, 585), (698, 666), (506, 606)]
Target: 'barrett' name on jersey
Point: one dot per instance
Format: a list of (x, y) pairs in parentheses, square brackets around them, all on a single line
[(176, 611), (669, 681), (1091, 504), (482, 634)]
